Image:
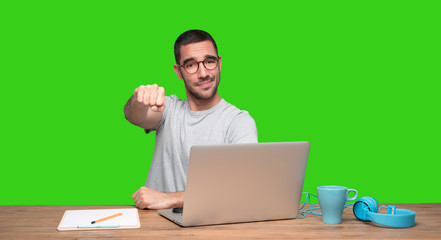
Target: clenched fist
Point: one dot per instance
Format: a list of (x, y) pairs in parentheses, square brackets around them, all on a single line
[(147, 198), (151, 96)]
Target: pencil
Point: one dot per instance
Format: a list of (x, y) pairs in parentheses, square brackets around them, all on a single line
[(106, 218)]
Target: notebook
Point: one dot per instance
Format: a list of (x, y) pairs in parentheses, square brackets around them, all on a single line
[(232, 183), (81, 219)]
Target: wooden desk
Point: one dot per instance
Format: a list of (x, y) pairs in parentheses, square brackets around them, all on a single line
[(40, 222)]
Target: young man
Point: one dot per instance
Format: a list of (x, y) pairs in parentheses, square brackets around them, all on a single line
[(204, 118)]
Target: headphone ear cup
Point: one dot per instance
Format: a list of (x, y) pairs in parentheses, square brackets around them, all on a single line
[(363, 206), (374, 205)]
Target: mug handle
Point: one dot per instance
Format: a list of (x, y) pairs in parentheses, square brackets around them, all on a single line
[(355, 196)]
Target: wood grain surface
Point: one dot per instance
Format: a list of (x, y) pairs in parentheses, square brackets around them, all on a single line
[(40, 222)]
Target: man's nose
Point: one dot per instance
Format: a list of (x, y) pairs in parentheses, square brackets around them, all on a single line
[(202, 71)]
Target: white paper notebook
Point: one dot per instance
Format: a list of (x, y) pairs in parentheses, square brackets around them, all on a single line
[(81, 219)]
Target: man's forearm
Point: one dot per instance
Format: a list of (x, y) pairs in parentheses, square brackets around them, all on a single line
[(135, 113), (176, 199)]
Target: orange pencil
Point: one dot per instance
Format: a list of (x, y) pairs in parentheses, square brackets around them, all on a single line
[(106, 218)]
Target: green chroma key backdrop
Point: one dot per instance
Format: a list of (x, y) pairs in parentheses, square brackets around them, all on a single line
[(359, 80)]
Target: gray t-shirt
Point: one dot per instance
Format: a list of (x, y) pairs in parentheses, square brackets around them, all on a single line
[(180, 128)]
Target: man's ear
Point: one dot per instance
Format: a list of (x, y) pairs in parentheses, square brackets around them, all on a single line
[(220, 63), (177, 71)]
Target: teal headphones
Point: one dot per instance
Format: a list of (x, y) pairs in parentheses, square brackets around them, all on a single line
[(366, 209)]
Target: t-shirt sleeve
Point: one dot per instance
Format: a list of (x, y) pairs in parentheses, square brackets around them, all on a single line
[(242, 129), (169, 104)]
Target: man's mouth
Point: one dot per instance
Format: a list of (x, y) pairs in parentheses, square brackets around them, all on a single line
[(205, 84)]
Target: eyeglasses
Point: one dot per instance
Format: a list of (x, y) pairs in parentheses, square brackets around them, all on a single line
[(209, 63)]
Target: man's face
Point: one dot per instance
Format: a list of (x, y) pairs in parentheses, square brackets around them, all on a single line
[(202, 84)]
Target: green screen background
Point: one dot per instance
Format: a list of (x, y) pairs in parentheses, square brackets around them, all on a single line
[(359, 80)]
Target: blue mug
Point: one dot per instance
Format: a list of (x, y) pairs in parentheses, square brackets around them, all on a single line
[(332, 200)]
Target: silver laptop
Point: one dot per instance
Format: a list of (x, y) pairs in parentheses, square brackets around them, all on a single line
[(235, 183)]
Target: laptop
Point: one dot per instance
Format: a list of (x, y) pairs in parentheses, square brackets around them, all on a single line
[(234, 183)]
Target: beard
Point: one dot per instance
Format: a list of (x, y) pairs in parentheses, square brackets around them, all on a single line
[(197, 95)]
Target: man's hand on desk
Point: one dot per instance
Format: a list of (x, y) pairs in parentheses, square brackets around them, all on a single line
[(151, 199)]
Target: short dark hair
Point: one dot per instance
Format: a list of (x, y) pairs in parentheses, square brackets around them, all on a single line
[(191, 36)]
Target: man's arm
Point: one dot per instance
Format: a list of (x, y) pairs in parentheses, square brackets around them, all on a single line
[(144, 108), (151, 199), (242, 129)]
